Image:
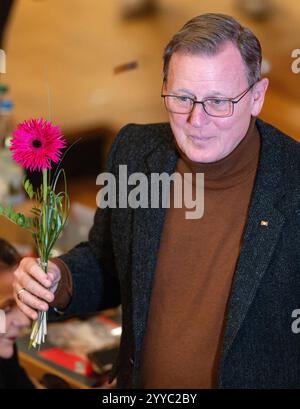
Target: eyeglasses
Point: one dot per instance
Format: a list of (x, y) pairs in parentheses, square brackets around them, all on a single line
[(217, 107)]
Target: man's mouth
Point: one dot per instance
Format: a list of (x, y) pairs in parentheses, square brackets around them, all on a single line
[(11, 338), (200, 138)]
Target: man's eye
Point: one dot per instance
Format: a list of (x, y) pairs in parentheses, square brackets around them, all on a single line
[(217, 102), (183, 99)]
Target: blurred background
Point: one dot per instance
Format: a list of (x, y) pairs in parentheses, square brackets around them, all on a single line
[(75, 47)]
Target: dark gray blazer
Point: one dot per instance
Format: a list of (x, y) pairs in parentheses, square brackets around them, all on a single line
[(117, 264)]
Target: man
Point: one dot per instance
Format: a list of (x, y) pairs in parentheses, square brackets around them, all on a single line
[(208, 302)]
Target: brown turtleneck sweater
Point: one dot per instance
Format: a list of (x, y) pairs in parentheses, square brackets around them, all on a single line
[(194, 272)]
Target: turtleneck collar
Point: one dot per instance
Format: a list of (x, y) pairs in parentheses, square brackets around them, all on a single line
[(231, 170)]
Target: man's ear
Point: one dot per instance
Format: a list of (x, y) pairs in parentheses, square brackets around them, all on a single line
[(258, 96)]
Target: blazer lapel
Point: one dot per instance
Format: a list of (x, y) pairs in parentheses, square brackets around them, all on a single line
[(265, 221), (147, 230)]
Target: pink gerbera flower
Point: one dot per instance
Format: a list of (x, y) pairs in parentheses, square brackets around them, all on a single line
[(36, 143)]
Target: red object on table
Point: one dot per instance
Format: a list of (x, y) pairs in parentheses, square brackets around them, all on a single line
[(68, 360)]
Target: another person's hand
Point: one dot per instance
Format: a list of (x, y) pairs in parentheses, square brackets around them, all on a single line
[(33, 289)]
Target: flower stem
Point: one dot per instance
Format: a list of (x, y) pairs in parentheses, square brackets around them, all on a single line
[(45, 217), (45, 185), (39, 327)]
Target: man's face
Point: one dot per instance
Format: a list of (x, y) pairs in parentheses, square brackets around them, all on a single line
[(15, 319), (201, 137)]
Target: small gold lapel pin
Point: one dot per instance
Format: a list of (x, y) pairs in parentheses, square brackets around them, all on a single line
[(264, 223)]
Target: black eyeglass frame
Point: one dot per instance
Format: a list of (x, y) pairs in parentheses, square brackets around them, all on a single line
[(232, 100)]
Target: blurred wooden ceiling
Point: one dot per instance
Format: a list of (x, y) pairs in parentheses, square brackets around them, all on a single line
[(74, 46)]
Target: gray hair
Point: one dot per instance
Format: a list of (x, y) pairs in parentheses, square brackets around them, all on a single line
[(207, 33)]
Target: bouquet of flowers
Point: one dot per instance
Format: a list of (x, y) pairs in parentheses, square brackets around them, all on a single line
[(35, 144)]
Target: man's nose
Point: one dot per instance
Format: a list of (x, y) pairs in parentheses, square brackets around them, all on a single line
[(198, 116)]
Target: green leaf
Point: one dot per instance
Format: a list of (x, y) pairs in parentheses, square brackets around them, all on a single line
[(21, 220), (8, 211), (26, 183), (36, 211), (13, 216), (28, 188)]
